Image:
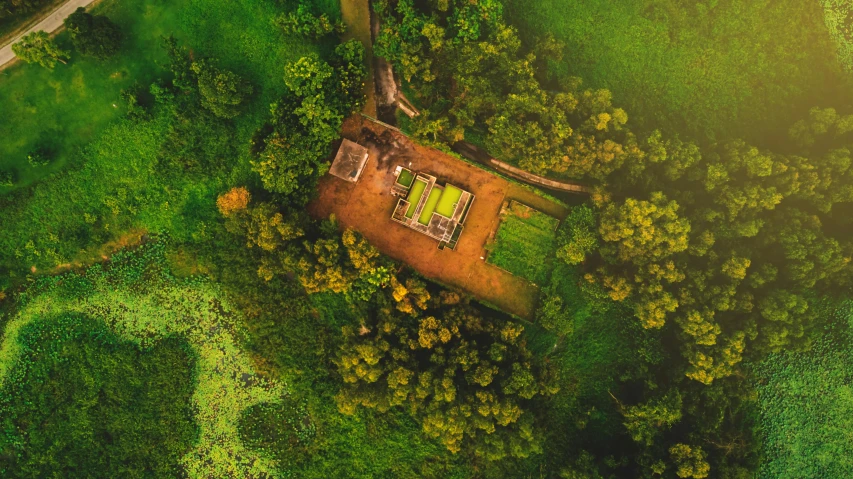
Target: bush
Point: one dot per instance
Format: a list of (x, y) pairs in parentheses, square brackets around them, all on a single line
[(39, 157), (306, 22), (8, 178)]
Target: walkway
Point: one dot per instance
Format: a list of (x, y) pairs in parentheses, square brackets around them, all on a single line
[(49, 24), (480, 155)]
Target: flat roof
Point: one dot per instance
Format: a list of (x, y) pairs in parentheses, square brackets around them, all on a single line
[(432, 209), (350, 161)]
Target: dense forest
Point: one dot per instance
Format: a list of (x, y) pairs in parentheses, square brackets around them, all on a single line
[(170, 308)]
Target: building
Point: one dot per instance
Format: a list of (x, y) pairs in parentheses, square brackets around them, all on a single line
[(429, 208), (349, 162)]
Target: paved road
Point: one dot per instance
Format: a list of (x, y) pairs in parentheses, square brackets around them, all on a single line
[(49, 24)]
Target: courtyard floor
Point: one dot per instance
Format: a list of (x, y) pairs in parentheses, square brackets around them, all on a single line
[(366, 206)]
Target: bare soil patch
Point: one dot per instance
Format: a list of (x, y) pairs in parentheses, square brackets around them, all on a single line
[(366, 206)]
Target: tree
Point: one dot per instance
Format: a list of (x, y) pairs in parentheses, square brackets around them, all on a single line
[(306, 22), (342, 265), (222, 91), (577, 236), (7, 178), (645, 421), (689, 461), (234, 201), (467, 379), (39, 157), (38, 47), (93, 35), (306, 122), (262, 224)]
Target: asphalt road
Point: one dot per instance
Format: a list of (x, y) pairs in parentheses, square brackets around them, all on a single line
[(49, 24)]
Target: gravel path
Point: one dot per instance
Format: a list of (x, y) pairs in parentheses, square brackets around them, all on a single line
[(49, 24)]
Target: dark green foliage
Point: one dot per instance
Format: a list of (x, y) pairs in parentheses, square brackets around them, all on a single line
[(39, 157), (7, 178), (16, 8), (562, 302), (283, 430), (305, 122), (306, 21), (93, 35), (81, 402)]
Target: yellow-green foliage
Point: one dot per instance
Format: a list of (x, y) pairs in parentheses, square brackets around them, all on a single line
[(837, 16), (143, 305)]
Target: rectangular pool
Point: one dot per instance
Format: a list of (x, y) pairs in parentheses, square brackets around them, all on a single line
[(447, 203), (405, 177), (415, 197), (429, 207)]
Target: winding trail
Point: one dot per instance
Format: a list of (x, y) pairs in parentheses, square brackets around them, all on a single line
[(50, 24)]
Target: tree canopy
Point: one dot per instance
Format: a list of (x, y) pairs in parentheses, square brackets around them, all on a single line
[(93, 35), (38, 47)]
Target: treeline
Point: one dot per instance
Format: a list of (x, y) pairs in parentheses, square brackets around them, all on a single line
[(17, 8), (722, 247)]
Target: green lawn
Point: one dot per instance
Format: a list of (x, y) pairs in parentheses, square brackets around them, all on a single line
[(744, 68), (68, 107), (524, 243), (805, 403), (447, 203)]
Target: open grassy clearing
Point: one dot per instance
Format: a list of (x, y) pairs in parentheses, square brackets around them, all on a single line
[(733, 69), (141, 303), (68, 107), (524, 242), (806, 404)]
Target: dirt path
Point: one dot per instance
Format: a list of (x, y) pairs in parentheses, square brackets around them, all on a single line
[(367, 205), (49, 24)]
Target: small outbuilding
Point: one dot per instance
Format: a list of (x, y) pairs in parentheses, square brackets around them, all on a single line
[(350, 161)]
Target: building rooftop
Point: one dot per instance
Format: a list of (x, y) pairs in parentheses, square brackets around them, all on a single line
[(350, 161), (434, 210)]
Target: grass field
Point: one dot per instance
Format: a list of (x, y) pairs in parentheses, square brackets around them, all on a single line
[(737, 68), (524, 242), (66, 108), (806, 404)]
